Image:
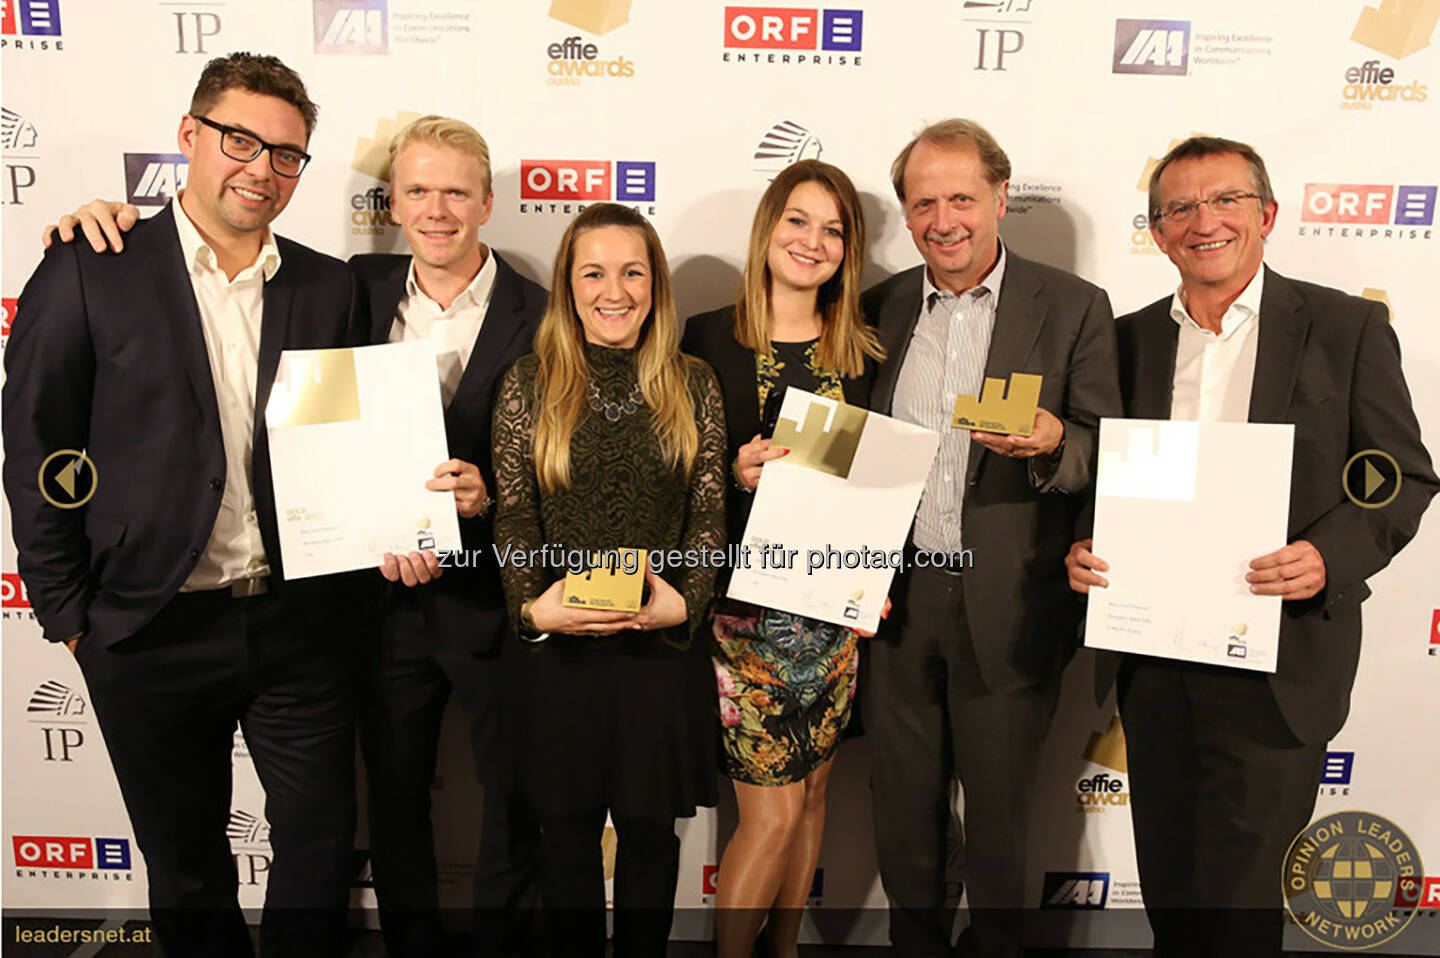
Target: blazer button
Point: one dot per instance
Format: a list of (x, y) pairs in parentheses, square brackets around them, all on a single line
[(217, 484), (194, 553)]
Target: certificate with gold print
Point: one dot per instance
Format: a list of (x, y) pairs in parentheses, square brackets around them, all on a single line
[(842, 497), (354, 434)]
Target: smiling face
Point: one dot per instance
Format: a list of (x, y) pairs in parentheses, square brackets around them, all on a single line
[(227, 198), (807, 244), (440, 200), (953, 213), (1218, 252), (611, 285)]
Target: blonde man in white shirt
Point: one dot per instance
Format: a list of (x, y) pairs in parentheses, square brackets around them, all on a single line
[(1225, 764)]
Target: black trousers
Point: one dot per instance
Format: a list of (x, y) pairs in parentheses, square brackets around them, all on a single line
[(406, 688), (1219, 788), (167, 701), (930, 717), (647, 865)]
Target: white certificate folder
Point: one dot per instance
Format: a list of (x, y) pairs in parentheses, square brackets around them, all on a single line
[(1181, 508), (354, 434), (839, 504)]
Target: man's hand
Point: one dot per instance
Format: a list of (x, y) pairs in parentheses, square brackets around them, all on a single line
[(666, 607), (463, 479), (1084, 567), (415, 568), (750, 457), (1043, 439), (101, 221), (884, 614), (550, 614), (1294, 572)]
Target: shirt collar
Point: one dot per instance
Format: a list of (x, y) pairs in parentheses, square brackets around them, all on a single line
[(1245, 307), (198, 253), (991, 282), (477, 292)]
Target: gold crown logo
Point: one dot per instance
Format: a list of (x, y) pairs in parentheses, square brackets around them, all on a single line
[(372, 154)]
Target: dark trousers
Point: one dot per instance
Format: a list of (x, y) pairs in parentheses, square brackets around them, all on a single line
[(930, 717), (167, 701), (647, 865), (1219, 789), (407, 687)]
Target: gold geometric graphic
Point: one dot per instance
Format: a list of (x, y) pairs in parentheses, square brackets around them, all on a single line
[(813, 446), (372, 156), (614, 581), (1012, 415), (1379, 296), (1397, 28), (594, 16), (1144, 183), (67, 477), (1107, 748), (314, 387)]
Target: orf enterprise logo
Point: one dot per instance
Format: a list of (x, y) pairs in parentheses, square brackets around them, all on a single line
[(8, 306), (710, 873), (1435, 633), (67, 854), (838, 33), (154, 179), (1369, 204), (1415, 891), (36, 18), (580, 182)]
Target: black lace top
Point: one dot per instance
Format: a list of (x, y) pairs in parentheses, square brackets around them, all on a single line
[(622, 492)]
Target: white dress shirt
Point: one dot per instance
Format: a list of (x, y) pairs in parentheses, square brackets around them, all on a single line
[(230, 313), (451, 331), (1214, 372)]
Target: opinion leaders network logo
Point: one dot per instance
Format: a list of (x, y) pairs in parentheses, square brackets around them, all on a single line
[(154, 179), (1368, 210), (809, 35), (1342, 876), (65, 856), (30, 25), (566, 186), (784, 143), (351, 26), (1153, 47)]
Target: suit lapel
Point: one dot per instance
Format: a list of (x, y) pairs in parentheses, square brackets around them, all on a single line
[(1018, 317), (1277, 353), (498, 330), (175, 297), (274, 332), (899, 313), (384, 299), (1154, 382)]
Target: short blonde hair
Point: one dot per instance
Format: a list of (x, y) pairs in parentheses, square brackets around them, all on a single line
[(444, 131), (955, 134)]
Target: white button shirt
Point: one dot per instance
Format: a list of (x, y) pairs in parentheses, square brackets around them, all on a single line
[(230, 312), (451, 331), (1214, 372)]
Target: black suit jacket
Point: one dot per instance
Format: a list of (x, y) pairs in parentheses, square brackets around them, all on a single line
[(1021, 613), (1330, 364), (465, 607), (711, 337), (109, 357)]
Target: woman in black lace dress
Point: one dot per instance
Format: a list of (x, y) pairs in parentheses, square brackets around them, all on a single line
[(607, 437)]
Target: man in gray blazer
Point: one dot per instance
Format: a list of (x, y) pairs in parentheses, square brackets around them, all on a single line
[(1225, 764), (965, 674)]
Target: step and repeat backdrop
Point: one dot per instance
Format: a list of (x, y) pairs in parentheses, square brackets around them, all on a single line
[(685, 111)]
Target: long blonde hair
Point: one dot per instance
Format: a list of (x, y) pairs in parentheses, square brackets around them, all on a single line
[(564, 374), (845, 338)]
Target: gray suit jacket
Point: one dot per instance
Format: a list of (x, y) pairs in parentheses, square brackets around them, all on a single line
[(1330, 364), (1021, 612)]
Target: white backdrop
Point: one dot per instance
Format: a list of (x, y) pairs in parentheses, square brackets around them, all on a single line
[(685, 110)]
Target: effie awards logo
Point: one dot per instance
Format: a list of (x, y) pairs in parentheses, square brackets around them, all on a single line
[(370, 209), (572, 60), (784, 143), (1395, 29), (1342, 876)]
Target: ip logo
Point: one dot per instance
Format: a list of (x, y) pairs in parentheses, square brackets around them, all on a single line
[(154, 179), (38, 18), (1372, 203), (625, 181), (1156, 47), (1075, 890), (351, 26), (1338, 768), (784, 28)]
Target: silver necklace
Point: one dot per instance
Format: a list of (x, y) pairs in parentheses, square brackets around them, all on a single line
[(612, 411)]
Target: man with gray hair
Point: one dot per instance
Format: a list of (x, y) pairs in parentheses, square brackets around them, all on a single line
[(1225, 764), (965, 674)]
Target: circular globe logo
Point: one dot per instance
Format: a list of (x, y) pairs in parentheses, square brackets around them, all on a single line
[(1342, 879)]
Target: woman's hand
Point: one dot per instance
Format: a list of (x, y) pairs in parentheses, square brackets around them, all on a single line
[(549, 613), (666, 607), (750, 457)]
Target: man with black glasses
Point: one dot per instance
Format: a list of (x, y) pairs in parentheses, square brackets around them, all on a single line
[(166, 584), (1225, 763)]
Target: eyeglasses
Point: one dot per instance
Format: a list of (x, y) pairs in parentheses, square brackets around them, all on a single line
[(244, 147), (1221, 204)]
